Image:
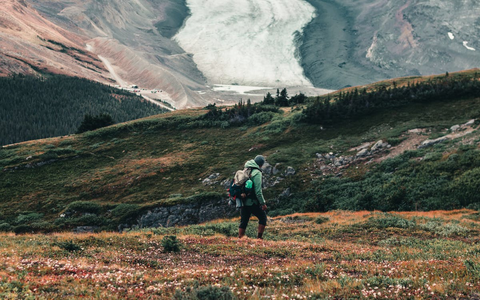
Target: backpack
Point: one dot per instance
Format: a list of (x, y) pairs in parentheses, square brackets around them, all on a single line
[(241, 184)]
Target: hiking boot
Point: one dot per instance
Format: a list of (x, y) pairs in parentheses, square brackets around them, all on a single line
[(261, 229), (241, 232)]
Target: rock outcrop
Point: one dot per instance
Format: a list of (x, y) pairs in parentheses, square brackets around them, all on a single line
[(187, 214)]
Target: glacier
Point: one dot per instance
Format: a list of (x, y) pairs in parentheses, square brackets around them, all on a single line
[(247, 42)]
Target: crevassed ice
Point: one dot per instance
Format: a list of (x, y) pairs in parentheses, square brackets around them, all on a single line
[(246, 42)]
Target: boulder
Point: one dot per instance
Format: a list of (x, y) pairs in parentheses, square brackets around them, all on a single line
[(470, 123), (454, 128), (338, 162), (211, 179), (379, 145), (289, 171), (276, 169), (226, 183), (319, 156), (186, 214), (428, 143), (267, 168), (363, 153), (285, 193)]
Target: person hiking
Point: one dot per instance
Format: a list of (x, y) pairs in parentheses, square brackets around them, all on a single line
[(254, 203)]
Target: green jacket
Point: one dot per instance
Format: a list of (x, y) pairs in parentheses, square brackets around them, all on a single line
[(256, 176)]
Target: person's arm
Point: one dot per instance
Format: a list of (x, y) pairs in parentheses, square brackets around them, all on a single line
[(257, 183)]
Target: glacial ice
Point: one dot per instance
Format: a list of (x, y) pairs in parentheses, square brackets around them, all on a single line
[(247, 42)]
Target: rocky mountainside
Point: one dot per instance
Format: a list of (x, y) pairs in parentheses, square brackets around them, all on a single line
[(352, 43), (30, 43), (187, 48)]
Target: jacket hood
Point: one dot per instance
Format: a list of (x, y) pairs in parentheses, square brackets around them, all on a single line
[(252, 164)]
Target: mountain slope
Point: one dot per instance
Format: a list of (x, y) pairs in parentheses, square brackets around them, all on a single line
[(184, 157), (354, 43), (33, 108), (31, 44)]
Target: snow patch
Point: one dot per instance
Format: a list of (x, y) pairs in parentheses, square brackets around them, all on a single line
[(451, 36), (250, 42), (468, 47)]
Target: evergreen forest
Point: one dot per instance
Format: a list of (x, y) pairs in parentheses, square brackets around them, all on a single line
[(40, 107)]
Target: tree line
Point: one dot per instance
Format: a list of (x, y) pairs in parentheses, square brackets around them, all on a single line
[(40, 107), (356, 103), (239, 113)]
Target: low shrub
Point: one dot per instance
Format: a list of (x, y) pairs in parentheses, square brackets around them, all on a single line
[(84, 207), (126, 212), (22, 229), (389, 221), (5, 227), (69, 246), (321, 220), (28, 218), (205, 293), (445, 230), (170, 243), (85, 220), (228, 229)]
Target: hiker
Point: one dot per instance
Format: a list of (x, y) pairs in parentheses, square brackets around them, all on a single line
[(254, 203)]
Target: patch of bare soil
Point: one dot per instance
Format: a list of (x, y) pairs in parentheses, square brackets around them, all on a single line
[(413, 138)]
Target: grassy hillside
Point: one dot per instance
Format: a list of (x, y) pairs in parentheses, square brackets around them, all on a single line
[(116, 174), (340, 255), (39, 107)]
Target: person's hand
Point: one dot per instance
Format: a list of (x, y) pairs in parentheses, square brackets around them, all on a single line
[(264, 207)]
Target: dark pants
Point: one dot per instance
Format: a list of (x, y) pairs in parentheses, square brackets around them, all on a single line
[(247, 212)]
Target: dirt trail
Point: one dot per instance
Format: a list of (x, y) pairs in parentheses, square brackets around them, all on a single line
[(110, 68), (157, 103), (414, 138)]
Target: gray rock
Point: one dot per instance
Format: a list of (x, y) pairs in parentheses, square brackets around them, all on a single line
[(122, 227), (470, 123), (285, 193), (186, 214), (85, 229), (454, 128), (226, 183), (363, 153), (289, 171), (379, 145), (428, 143), (330, 156), (214, 176), (337, 162), (277, 181), (267, 168), (276, 169), (211, 179), (319, 156)]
